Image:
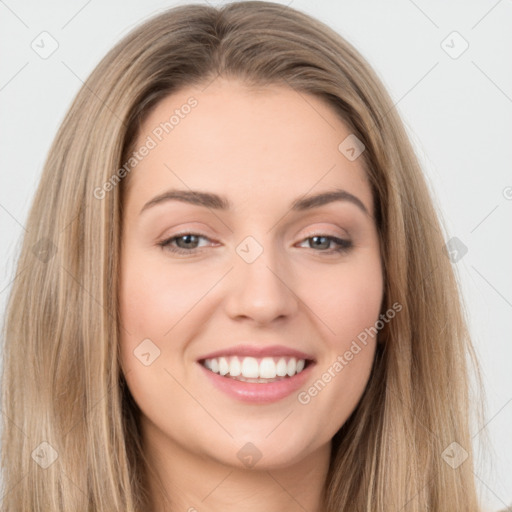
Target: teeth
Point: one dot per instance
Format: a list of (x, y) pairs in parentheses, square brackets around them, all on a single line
[(223, 366), (235, 368), (281, 367), (267, 368), (250, 369), (253, 368), (292, 367)]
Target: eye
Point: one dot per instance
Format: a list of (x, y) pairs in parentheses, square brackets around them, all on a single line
[(321, 241), (186, 243)]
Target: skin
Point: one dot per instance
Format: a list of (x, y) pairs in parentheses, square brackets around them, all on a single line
[(261, 149)]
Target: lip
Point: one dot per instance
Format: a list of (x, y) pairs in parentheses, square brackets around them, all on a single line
[(258, 352), (253, 392)]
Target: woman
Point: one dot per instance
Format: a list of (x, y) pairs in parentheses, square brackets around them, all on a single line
[(235, 293)]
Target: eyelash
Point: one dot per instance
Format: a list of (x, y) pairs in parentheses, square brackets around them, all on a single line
[(343, 245)]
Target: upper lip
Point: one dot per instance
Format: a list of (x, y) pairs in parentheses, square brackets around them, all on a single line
[(258, 351)]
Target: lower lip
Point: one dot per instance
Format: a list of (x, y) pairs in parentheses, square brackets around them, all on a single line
[(258, 392)]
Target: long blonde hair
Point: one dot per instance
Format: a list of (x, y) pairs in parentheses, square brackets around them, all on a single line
[(71, 438)]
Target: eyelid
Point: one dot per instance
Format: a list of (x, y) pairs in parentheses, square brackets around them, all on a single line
[(322, 231)]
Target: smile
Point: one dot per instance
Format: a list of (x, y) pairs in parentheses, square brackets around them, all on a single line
[(256, 370), (256, 377)]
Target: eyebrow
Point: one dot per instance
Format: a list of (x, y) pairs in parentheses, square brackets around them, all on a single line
[(217, 202)]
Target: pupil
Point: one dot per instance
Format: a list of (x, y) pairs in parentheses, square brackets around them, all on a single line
[(186, 239), (316, 238)]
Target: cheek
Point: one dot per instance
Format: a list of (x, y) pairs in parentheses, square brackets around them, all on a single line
[(158, 302), (152, 301), (153, 297), (347, 301), (344, 368), (346, 298), (146, 310), (342, 298)]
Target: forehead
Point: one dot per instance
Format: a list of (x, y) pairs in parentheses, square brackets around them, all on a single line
[(254, 145)]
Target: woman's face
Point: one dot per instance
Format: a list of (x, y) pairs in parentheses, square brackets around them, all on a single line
[(243, 286)]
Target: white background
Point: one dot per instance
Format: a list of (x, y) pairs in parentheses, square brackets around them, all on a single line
[(458, 112)]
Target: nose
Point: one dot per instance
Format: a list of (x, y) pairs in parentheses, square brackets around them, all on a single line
[(263, 290)]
